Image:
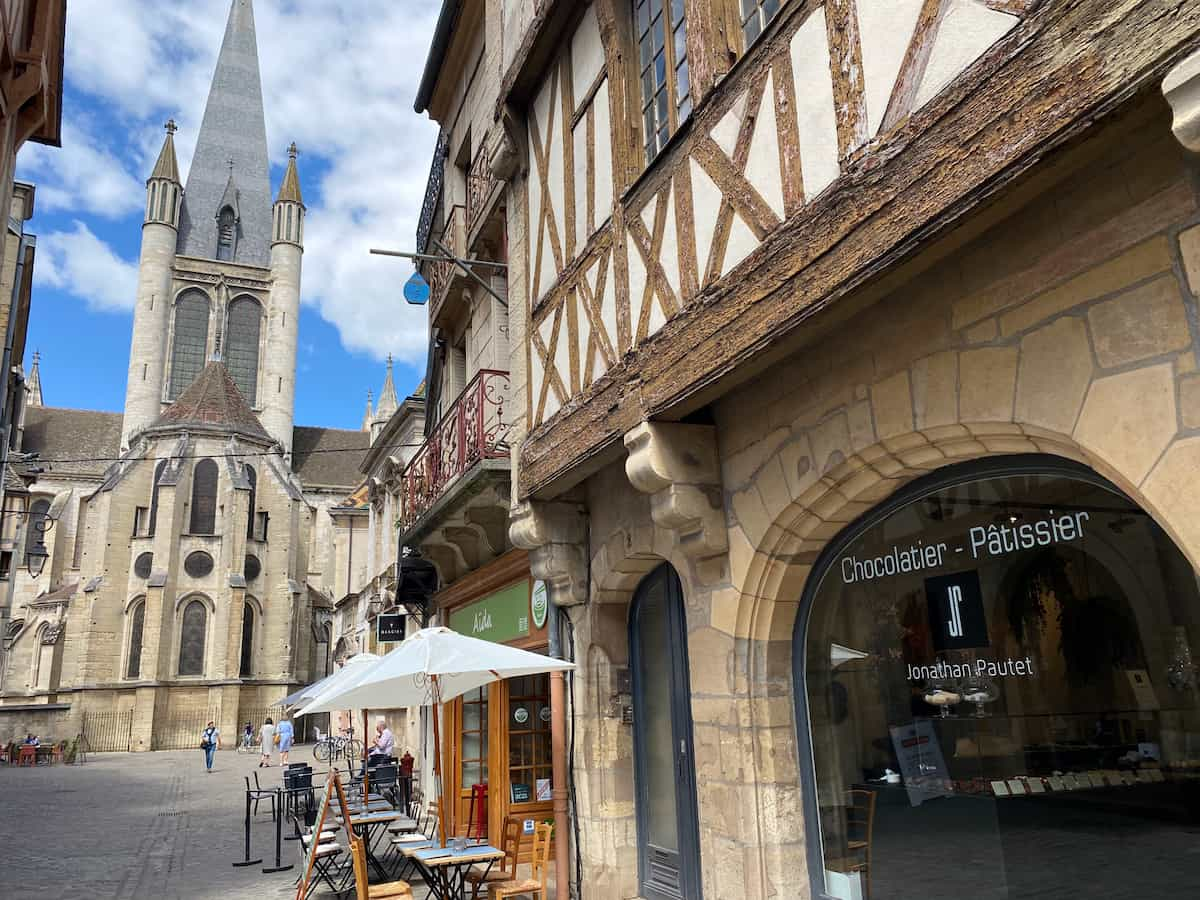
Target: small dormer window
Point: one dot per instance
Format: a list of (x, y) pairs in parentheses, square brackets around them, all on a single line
[(226, 234)]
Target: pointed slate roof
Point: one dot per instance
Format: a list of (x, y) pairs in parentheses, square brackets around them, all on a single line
[(230, 198), (167, 166), (234, 128), (289, 190), (213, 401), (34, 382), (388, 403)]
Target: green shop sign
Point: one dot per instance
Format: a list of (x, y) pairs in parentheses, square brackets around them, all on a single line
[(499, 617)]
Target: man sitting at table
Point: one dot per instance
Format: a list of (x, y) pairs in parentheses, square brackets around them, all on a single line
[(383, 746), (31, 740)]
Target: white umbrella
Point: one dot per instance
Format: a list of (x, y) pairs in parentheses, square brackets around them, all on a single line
[(429, 667), (314, 690)]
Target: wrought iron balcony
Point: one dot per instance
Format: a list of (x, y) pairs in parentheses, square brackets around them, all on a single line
[(472, 430), (480, 183)]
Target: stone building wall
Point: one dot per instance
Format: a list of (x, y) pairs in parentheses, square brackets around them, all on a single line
[(1061, 320)]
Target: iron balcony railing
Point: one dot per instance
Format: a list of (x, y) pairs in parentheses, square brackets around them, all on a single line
[(433, 192), (472, 430)]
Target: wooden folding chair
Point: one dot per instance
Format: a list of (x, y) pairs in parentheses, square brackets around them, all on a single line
[(506, 869), (534, 887), (393, 890)]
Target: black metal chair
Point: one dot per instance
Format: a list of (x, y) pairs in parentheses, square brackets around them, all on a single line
[(257, 795), (326, 862)]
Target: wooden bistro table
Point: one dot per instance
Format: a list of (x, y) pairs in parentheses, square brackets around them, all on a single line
[(447, 869), (369, 824)]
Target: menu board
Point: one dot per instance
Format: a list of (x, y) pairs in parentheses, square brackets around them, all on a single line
[(314, 842)]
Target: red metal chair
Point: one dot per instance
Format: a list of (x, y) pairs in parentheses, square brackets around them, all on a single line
[(28, 755), (477, 820)]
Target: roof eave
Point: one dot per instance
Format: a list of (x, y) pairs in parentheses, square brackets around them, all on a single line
[(442, 33)]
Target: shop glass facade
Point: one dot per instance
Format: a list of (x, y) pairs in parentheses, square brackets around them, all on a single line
[(1000, 697)]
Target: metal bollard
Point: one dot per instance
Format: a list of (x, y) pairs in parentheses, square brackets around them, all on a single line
[(278, 836), (247, 861)]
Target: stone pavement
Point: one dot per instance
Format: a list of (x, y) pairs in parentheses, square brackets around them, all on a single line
[(136, 826)]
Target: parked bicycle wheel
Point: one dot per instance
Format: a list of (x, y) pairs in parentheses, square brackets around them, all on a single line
[(321, 751), (354, 749)]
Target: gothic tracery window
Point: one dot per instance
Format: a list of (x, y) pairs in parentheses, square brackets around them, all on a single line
[(204, 498), (241, 345), (137, 622), (226, 234), (190, 343), (191, 638)]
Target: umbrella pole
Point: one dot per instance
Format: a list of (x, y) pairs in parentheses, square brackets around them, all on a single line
[(437, 760), (366, 775)]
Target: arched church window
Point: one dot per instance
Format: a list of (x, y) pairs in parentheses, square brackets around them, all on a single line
[(191, 638), (241, 345), (226, 234), (252, 478), (158, 470), (190, 343), (34, 527), (137, 621), (247, 667), (204, 498)]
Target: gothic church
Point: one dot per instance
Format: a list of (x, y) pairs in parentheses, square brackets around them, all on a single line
[(191, 578)]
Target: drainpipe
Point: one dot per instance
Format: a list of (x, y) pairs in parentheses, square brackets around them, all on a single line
[(558, 759)]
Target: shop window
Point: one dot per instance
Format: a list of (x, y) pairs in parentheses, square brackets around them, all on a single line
[(474, 739), (529, 762), (661, 29), (665, 783), (997, 676)]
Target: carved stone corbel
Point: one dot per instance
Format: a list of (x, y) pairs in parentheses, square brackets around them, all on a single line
[(555, 534), (504, 158), (677, 466), (1181, 87)]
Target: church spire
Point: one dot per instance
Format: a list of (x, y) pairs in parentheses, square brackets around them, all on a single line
[(234, 128), (368, 416), (167, 166), (388, 403), (33, 384)]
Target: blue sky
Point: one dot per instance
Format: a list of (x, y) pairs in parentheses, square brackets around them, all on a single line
[(131, 64)]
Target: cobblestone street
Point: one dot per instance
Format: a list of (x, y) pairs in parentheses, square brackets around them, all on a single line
[(132, 826)]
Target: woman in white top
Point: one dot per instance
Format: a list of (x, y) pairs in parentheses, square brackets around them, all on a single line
[(268, 743)]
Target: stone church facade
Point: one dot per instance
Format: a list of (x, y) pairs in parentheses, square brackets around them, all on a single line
[(189, 535)]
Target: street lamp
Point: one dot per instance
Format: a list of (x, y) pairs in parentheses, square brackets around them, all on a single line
[(36, 556)]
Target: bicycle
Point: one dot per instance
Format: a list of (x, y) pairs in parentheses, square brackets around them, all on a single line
[(333, 747)]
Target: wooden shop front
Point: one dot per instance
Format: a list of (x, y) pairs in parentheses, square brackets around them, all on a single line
[(499, 735)]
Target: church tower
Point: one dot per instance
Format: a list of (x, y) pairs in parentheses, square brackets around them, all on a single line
[(219, 273)]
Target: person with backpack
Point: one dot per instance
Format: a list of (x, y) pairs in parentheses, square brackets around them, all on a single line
[(210, 743)]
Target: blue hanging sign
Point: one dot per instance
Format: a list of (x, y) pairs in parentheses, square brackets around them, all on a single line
[(416, 290)]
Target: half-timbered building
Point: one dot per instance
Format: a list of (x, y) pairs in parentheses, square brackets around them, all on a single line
[(854, 365)]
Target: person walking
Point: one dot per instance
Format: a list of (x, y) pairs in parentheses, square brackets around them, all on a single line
[(286, 735), (268, 742), (210, 743)]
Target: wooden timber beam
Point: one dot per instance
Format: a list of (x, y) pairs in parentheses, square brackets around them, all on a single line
[(1070, 64)]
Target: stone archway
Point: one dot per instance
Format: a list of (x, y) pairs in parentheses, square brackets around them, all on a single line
[(769, 571)]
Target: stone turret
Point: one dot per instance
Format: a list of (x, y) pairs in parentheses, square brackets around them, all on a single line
[(151, 315), (369, 415), (287, 249), (33, 384)]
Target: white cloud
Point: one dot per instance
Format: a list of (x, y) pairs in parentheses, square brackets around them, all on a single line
[(338, 78), (81, 176), (83, 265)]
